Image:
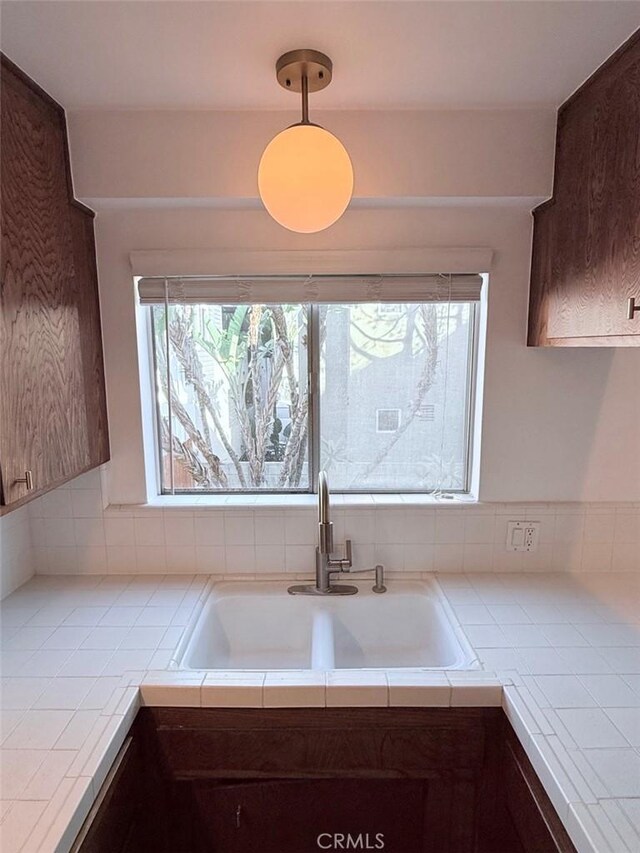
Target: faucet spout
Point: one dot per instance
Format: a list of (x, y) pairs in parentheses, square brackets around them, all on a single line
[(323, 498), (325, 527), (326, 564)]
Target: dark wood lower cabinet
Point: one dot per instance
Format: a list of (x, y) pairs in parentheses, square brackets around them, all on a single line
[(536, 821), (402, 780), (304, 815)]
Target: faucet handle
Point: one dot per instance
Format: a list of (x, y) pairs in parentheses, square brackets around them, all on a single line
[(342, 564)]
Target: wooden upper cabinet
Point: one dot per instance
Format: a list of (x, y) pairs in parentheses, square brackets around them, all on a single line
[(586, 241), (52, 400)]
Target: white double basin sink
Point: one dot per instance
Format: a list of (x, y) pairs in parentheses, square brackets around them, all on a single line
[(258, 626)]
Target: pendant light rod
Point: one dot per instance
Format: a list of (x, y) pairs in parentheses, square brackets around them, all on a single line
[(305, 99), (304, 71)]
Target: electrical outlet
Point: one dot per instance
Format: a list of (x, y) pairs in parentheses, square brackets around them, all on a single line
[(523, 535)]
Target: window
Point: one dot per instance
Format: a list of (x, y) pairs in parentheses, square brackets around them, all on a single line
[(233, 397), (377, 374), (256, 397)]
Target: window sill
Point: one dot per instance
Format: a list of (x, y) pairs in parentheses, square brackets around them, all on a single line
[(302, 501)]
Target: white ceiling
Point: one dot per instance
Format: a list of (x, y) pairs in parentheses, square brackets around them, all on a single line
[(387, 55)]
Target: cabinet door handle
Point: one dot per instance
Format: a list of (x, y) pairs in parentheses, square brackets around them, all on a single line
[(632, 308), (27, 480)]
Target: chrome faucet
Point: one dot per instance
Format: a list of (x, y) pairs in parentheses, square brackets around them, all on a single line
[(326, 563)]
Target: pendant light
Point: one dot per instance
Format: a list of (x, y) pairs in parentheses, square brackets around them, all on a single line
[(305, 177)]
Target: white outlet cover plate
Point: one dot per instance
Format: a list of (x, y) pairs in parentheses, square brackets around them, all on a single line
[(523, 535)]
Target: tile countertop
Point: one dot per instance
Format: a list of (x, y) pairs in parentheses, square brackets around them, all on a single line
[(560, 653)]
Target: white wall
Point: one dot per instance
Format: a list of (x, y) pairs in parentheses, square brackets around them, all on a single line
[(404, 154), (558, 425), (17, 558)]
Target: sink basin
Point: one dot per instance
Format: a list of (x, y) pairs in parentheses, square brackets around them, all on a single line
[(403, 629), (241, 627), (258, 626)]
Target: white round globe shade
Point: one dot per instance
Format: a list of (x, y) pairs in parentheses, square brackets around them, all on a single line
[(305, 178)]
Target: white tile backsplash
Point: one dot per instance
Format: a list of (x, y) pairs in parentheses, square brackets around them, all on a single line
[(270, 558), (209, 530), (238, 529), (67, 531)]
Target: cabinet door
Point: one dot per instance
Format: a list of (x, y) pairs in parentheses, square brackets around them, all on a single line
[(111, 824), (537, 824), (304, 816), (597, 229), (586, 243), (52, 419)]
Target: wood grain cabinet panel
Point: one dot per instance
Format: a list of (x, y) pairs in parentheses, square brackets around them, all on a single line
[(53, 414), (407, 780), (538, 826), (586, 242)]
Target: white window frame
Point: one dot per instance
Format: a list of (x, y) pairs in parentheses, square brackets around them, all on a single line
[(313, 434), (245, 262)]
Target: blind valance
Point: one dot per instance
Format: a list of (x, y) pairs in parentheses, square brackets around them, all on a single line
[(232, 290)]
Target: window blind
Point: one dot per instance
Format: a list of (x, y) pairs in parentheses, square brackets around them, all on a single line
[(350, 289)]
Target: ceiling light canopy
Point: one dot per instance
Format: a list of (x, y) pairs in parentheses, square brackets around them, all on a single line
[(305, 176)]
